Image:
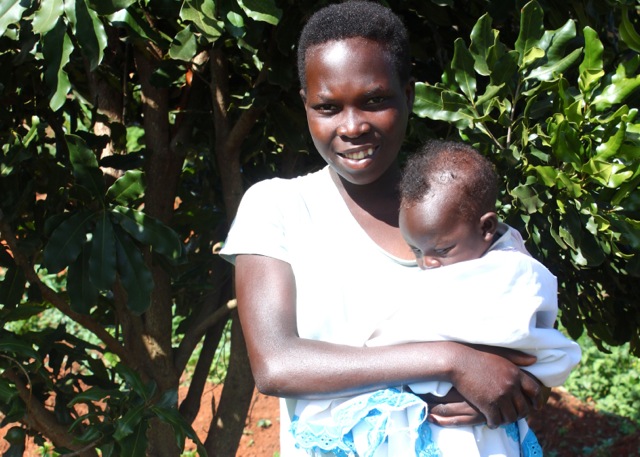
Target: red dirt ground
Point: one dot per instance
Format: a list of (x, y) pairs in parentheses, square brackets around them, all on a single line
[(567, 427)]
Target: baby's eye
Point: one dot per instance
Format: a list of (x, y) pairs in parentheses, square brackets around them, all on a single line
[(442, 252)]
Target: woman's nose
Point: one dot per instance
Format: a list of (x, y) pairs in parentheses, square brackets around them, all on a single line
[(352, 124)]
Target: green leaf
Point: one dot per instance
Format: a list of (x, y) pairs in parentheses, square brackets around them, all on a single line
[(135, 443), (565, 143), (7, 392), (12, 287), (149, 231), (85, 166), (169, 399), (107, 7), (616, 92), (551, 70), (92, 394), (628, 33), (428, 101), (261, 10), (128, 187), (56, 49), (89, 435), (134, 274), (505, 69), (102, 264), (612, 145), (528, 197), (482, 39), (591, 68), (463, 66), (202, 14), (138, 27), (66, 241), (457, 109), (557, 62), (611, 175), (128, 424), (10, 13), (83, 295), (46, 17), (184, 45), (135, 383), (549, 175), (90, 33), (180, 426), (22, 313), (18, 348), (531, 31)]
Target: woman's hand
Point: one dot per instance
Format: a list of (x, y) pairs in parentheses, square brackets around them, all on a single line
[(491, 380)]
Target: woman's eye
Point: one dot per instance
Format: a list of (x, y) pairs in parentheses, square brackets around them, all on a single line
[(325, 108), (375, 100)]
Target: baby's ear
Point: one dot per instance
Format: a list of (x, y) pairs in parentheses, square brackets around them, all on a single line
[(489, 225)]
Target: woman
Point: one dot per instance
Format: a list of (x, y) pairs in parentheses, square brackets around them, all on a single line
[(318, 258)]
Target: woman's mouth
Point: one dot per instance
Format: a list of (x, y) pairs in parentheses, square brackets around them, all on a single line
[(357, 155)]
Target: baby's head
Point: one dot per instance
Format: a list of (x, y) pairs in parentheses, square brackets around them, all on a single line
[(448, 197), (357, 19)]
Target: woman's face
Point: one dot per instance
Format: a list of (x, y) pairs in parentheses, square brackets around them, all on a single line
[(357, 109)]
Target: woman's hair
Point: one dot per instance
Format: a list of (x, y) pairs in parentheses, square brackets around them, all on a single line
[(357, 18), (455, 166)]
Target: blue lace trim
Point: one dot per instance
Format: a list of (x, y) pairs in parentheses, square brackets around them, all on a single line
[(530, 446), (371, 413)]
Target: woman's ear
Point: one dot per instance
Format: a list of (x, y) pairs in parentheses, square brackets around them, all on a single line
[(303, 96), (489, 225)]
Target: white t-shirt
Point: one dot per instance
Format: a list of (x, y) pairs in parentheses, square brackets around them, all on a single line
[(346, 284)]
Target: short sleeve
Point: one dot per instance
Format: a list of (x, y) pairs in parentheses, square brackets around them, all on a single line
[(259, 226)]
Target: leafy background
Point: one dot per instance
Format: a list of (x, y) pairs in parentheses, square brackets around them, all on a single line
[(131, 128)]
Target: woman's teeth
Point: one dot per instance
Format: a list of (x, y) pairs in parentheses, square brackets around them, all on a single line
[(359, 155)]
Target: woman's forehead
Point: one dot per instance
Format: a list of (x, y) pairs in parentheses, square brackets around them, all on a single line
[(350, 61)]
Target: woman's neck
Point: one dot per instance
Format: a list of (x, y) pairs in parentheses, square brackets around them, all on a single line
[(375, 207)]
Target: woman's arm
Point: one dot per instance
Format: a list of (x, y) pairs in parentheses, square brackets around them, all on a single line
[(286, 365)]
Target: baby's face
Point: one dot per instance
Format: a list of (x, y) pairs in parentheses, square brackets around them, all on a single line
[(439, 236)]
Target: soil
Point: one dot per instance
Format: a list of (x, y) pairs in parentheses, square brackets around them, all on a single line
[(567, 427)]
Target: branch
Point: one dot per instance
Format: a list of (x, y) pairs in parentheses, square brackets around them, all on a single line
[(195, 334), (191, 404), (112, 345), (43, 420)]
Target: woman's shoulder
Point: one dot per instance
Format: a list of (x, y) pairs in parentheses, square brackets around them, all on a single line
[(299, 185)]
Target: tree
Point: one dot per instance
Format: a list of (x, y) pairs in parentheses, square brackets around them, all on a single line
[(131, 129)]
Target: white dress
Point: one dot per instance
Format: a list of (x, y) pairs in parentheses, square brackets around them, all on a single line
[(346, 285)]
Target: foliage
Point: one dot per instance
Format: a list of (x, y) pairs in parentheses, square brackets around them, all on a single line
[(609, 379), (562, 126), (132, 127)]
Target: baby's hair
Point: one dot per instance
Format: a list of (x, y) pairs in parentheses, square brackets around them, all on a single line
[(357, 18), (449, 163)]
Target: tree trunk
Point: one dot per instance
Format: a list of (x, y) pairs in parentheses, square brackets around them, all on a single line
[(163, 172)]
